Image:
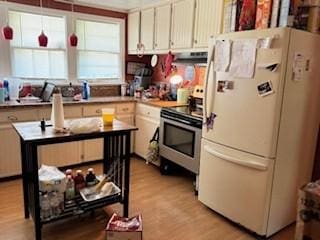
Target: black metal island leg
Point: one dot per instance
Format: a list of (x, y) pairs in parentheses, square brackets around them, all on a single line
[(126, 176), (24, 163)]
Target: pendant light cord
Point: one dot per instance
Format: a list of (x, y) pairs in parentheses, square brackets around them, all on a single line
[(41, 10), (72, 15), (7, 13)]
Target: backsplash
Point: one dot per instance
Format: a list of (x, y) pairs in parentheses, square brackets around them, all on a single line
[(159, 76), (95, 91)]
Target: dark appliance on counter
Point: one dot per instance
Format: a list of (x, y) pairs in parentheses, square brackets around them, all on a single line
[(142, 78), (179, 139), (47, 91)]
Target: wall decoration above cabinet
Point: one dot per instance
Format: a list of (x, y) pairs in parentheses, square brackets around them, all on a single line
[(177, 25)]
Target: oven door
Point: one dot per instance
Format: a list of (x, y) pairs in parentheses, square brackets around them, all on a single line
[(180, 143)]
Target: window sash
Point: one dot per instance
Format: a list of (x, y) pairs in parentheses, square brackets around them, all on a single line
[(35, 73)]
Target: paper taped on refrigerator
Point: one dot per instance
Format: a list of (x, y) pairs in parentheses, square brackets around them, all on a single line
[(243, 58)]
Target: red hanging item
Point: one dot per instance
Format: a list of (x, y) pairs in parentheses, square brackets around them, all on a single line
[(168, 64), (7, 32), (73, 40), (43, 40)]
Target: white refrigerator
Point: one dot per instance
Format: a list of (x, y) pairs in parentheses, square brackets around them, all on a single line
[(261, 146)]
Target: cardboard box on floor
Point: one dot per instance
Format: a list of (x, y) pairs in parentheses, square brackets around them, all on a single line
[(308, 218), (120, 228)]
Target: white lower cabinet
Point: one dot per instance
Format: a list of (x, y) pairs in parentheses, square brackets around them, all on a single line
[(10, 159), (147, 126)]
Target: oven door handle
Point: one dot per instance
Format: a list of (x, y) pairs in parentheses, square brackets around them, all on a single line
[(176, 119), (249, 164)]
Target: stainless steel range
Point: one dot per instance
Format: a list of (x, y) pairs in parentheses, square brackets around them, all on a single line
[(180, 136)]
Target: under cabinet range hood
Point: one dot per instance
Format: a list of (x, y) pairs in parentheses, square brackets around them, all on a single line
[(190, 58)]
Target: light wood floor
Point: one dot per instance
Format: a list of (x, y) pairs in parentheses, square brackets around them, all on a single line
[(169, 209)]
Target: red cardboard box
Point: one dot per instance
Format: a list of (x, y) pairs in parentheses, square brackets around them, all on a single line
[(120, 228)]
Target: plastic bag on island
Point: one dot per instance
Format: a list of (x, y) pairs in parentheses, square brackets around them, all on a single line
[(51, 179), (85, 125)]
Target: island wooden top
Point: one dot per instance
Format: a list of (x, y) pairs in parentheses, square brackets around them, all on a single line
[(31, 132)]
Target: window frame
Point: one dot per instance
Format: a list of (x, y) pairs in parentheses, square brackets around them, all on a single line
[(6, 56)]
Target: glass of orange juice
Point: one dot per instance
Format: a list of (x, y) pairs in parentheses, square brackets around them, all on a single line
[(108, 116)]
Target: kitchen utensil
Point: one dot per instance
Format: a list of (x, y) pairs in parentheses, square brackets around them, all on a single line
[(168, 64)]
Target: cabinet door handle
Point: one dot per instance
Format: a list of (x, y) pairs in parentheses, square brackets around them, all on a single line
[(195, 41), (98, 111), (125, 109), (12, 118)]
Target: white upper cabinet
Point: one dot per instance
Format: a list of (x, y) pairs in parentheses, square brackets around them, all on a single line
[(162, 27), (207, 21), (182, 24), (133, 31), (147, 28)]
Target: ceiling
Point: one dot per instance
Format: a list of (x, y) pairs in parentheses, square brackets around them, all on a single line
[(124, 5)]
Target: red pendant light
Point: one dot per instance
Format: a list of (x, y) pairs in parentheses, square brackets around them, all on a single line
[(42, 38), (7, 31), (73, 39)]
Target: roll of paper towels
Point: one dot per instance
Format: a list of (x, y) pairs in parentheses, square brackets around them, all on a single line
[(57, 114)]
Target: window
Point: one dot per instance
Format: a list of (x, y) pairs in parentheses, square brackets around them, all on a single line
[(98, 51), (27, 58)]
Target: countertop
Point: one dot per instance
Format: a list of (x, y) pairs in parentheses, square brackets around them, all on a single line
[(92, 100)]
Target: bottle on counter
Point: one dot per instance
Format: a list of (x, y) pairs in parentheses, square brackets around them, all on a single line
[(86, 90), (69, 172), (70, 188), (79, 181), (90, 178), (6, 90)]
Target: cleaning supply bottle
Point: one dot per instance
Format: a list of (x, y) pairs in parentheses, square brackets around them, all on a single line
[(79, 181), (90, 178), (70, 191), (86, 90), (6, 90)]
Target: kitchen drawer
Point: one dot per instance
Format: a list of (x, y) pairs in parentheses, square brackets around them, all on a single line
[(69, 112), (19, 115), (149, 111), (95, 110), (124, 108)]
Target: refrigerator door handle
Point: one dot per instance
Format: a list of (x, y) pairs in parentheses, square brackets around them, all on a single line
[(208, 103), (250, 164)]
